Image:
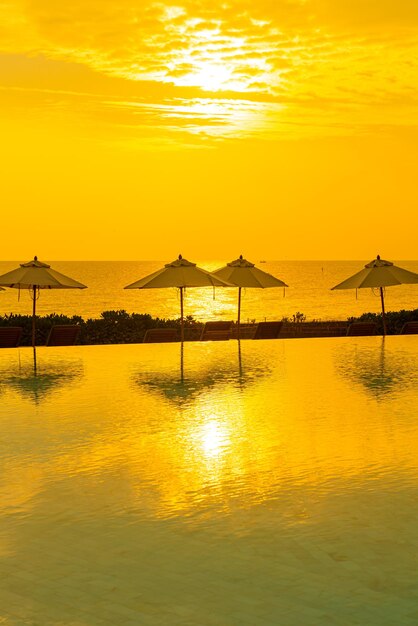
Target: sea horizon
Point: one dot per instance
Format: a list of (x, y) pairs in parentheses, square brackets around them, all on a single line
[(204, 260)]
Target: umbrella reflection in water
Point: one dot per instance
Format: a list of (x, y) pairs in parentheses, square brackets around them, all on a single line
[(381, 372), (35, 380), (187, 384)]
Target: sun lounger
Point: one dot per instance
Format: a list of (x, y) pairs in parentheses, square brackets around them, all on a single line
[(357, 329), (160, 335), (216, 331), (410, 328), (65, 335), (268, 330), (10, 336)]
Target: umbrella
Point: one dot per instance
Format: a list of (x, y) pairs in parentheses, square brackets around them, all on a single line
[(241, 273), (379, 274), (180, 273), (35, 275)]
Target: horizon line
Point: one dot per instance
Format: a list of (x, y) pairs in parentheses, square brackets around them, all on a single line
[(201, 259)]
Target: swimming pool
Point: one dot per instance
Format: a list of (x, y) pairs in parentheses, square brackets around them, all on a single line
[(266, 483)]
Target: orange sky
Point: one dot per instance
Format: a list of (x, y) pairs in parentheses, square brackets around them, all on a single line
[(280, 129)]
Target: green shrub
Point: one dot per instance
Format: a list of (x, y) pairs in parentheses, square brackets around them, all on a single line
[(123, 327), (43, 325), (110, 327), (394, 320)]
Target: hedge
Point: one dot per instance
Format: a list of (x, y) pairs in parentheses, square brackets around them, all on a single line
[(123, 327)]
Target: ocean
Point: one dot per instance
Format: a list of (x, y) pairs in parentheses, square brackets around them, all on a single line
[(309, 292)]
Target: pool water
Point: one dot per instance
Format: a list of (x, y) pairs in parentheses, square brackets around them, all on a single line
[(260, 483)]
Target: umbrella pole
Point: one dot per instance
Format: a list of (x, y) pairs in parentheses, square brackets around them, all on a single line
[(383, 311), (34, 316), (239, 358), (181, 314), (182, 362), (239, 312)]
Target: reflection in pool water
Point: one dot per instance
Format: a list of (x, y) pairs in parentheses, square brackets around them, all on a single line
[(187, 382), (381, 370), (34, 379), (275, 488)]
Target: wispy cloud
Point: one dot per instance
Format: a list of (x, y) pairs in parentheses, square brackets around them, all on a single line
[(219, 69)]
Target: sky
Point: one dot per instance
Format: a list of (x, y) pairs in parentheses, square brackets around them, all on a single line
[(276, 129)]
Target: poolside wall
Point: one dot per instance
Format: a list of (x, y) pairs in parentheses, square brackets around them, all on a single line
[(299, 329)]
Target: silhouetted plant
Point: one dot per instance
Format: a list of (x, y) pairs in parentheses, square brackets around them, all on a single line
[(394, 320), (43, 325), (111, 327), (299, 317), (123, 327)]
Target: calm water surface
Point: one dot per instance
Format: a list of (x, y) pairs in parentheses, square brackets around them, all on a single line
[(309, 292), (272, 482)]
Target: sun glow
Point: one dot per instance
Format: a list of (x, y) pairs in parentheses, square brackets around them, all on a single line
[(213, 59), (222, 66), (210, 76)]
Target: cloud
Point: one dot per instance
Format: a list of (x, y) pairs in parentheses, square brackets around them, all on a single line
[(291, 56)]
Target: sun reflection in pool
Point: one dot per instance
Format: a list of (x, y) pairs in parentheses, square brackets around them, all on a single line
[(214, 438)]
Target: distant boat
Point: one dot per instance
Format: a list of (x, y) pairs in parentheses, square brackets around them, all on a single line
[(263, 261)]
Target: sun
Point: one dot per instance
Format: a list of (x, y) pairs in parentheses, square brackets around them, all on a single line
[(207, 60), (210, 76)]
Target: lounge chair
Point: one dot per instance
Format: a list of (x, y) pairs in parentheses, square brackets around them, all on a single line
[(358, 329), (268, 330), (410, 328), (10, 336), (216, 331), (65, 335), (160, 335)]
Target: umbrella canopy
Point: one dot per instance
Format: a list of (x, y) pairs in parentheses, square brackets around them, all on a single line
[(181, 274), (36, 275), (379, 274), (241, 273), (39, 275)]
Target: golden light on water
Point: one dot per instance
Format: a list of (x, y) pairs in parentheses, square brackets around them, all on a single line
[(226, 429), (213, 437), (270, 469)]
